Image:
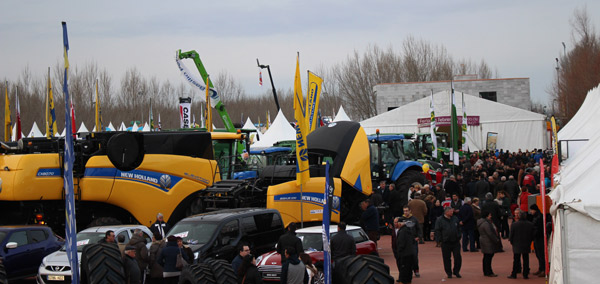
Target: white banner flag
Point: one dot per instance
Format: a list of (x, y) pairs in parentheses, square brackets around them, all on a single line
[(185, 106)]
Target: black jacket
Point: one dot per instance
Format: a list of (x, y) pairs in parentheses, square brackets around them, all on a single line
[(492, 206), (521, 236), (538, 226), (155, 228), (447, 230), (482, 187), (370, 219), (132, 270), (342, 245), (252, 276), (405, 242), (286, 240)]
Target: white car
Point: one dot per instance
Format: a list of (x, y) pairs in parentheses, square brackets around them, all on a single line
[(55, 267)]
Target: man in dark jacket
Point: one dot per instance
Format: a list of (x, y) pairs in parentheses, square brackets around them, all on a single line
[(493, 207), (109, 237), (132, 270), (521, 236), (243, 250), (512, 188), (395, 231), (467, 221), (289, 239), (369, 220), (482, 187), (405, 248), (293, 271), (447, 232), (141, 252), (538, 238), (160, 226), (342, 244)]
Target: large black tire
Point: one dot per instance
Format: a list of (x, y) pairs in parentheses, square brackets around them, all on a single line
[(197, 274), (362, 269), (3, 278), (409, 177), (102, 263), (222, 271)]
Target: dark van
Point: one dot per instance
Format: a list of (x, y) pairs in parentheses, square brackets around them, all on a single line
[(217, 234)]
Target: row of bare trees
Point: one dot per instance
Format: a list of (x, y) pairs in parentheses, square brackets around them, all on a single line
[(349, 83), (578, 68)]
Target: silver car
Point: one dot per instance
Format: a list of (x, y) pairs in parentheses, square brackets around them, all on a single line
[(55, 267)]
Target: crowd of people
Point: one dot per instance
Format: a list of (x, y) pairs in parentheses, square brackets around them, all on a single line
[(476, 202)]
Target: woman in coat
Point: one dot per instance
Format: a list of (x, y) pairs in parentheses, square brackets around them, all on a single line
[(490, 242)]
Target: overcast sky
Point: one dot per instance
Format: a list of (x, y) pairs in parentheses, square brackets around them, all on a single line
[(519, 38)]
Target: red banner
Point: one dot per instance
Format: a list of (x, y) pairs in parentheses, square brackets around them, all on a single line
[(447, 120)]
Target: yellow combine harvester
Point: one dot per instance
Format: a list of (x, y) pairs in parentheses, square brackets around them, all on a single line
[(120, 177)]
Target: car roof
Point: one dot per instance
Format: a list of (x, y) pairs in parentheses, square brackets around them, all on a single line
[(319, 229), (220, 215), (104, 229), (13, 227)]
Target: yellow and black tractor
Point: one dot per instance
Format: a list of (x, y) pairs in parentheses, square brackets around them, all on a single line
[(120, 177)]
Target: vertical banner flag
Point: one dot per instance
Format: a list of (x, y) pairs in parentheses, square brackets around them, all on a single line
[(555, 158), (543, 193), (260, 78), (465, 147), (69, 156), (18, 135), (185, 105), (151, 117), (51, 128), (454, 128), (327, 198), (434, 153), (312, 101), (209, 122), (7, 121), (159, 125), (268, 120), (98, 111), (302, 173), (73, 125)]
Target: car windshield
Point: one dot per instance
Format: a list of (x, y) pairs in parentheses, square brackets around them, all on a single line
[(194, 233), (85, 238), (313, 241)]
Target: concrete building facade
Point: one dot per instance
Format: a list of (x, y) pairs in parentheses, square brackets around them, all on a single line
[(511, 91)]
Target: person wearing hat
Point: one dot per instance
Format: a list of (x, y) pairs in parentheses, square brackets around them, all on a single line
[(405, 249), (538, 238), (132, 270)]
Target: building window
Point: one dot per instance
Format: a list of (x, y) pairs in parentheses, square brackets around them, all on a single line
[(488, 96)]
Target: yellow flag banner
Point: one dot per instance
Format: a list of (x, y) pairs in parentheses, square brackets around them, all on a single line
[(312, 101), (98, 111), (554, 135), (7, 122), (51, 128), (302, 173)]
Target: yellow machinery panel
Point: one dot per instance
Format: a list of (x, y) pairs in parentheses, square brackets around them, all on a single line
[(30, 177), (357, 167), (285, 197)]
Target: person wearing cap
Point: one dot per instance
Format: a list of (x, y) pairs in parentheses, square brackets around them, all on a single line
[(405, 250), (447, 232), (538, 238), (132, 271), (160, 226)]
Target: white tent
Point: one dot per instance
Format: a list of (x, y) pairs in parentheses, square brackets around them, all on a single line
[(63, 133), (341, 115), (110, 127), (250, 125), (575, 134), (280, 130), (14, 133), (575, 252), (122, 127), (135, 127), (146, 127), (35, 131), (82, 128), (516, 128)]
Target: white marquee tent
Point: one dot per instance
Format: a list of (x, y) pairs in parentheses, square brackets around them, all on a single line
[(35, 131), (341, 115), (82, 128), (250, 125), (575, 251), (280, 130), (516, 128)]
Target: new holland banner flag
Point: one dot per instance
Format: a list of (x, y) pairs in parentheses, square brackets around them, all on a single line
[(327, 198), (302, 173), (465, 146), (432, 128), (70, 229), (312, 101)]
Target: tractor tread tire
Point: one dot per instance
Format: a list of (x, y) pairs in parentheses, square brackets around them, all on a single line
[(408, 178), (197, 274), (222, 271), (102, 264), (362, 269), (3, 277)]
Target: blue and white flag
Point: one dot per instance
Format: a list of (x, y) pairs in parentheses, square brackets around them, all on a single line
[(327, 197), (70, 228)]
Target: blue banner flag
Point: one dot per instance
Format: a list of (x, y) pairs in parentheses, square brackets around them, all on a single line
[(70, 229), (327, 197)]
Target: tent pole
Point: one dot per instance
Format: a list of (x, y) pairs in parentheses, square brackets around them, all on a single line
[(563, 245)]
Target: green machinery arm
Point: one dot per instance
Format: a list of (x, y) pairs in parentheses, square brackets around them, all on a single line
[(220, 107)]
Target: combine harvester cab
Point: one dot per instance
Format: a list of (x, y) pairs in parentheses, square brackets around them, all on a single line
[(119, 177), (345, 146)]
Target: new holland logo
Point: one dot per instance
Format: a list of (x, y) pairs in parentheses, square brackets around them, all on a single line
[(165, 181)]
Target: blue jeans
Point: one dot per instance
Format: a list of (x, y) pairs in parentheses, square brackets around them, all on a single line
[(468, 238)]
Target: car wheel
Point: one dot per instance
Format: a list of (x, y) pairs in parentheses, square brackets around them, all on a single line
[(362, 269), (197, 274), (222, 271), (3, 277), (101, 263)]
